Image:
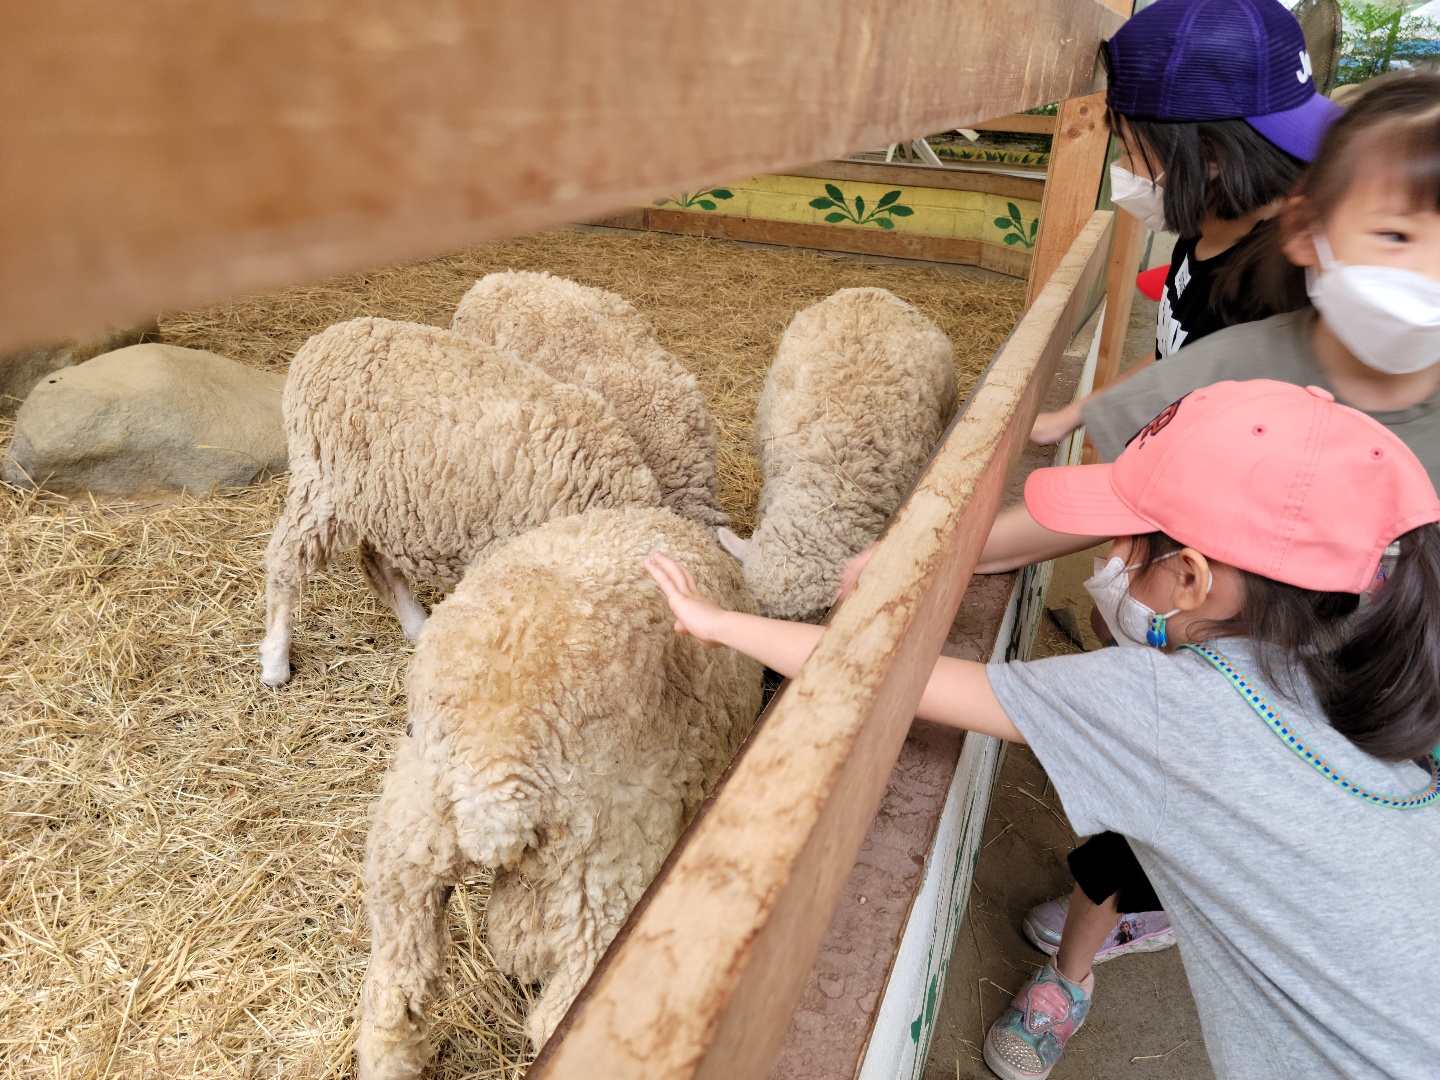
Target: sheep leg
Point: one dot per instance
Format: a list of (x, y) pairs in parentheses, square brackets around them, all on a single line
[(559, 992), (411, 865), (389, 584), (303, 539)]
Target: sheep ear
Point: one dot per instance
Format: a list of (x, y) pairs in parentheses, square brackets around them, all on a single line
[(731, 543)]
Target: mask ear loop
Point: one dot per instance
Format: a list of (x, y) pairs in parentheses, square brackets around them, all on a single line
[(1156, 634)]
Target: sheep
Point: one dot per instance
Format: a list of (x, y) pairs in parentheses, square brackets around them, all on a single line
[(426, 447), (861, 388), (597, 339), (560, 732)]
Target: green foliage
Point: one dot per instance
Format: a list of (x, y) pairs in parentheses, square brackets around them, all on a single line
[(1020, 233), (1377, 35), (1005, 157), (842, 209), (703, 199)]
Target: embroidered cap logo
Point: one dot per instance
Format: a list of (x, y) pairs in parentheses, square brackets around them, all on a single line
[(1305, 71), (1159, 424)]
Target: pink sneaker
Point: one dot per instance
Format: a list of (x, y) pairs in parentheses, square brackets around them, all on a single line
[(1143, 931), (1028, 1039)]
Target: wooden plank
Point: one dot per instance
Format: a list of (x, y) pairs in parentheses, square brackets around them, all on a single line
[(1072, 184), (706, 980), (1021, 123), (1119, 295), (898, 245), (951, 178), (162, 154)]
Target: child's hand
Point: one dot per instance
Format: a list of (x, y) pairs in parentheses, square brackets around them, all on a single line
[(851, 574), (695, 613), (1051, 427)]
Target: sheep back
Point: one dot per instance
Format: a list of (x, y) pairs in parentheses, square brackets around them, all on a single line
[(575, 732), (600, 340), (433, 446), (861, 388)]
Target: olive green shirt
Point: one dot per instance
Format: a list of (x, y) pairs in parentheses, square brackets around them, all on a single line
[(1280, 347)]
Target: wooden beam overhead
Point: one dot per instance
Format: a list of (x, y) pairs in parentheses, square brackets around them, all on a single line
[(160, 154), (710, 968)]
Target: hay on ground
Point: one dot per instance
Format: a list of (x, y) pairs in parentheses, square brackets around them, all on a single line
[(179, 845), (720, 307)]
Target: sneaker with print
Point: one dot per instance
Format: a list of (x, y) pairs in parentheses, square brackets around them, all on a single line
[(1142, 931), (1028, 1039)]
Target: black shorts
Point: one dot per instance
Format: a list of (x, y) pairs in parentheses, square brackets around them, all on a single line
[(1105, 866)]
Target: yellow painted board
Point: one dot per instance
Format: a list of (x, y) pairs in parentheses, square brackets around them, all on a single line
[(965, 215)]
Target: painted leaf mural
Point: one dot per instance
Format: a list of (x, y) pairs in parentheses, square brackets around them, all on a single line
[(854, 210)]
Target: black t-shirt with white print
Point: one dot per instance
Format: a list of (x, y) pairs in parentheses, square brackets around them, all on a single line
[(1186, 314)]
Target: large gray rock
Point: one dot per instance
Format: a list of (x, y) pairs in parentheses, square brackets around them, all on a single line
[(150, 418), (22, 369)]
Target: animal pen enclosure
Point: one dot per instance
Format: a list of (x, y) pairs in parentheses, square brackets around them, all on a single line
[(383, 136)]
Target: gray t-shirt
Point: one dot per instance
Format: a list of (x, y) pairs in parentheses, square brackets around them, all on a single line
[(1308, 919), (1279, 348)]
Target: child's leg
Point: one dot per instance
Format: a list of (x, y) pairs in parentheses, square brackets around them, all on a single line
[(1087, 926)]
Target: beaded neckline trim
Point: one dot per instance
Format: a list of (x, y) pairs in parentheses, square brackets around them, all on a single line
[(1287, 735)]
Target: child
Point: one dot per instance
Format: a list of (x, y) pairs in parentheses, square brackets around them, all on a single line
[(1182, 75), (1261, 756)]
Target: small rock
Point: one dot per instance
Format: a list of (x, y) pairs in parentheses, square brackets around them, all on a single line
[(147, 419), (22, 369)]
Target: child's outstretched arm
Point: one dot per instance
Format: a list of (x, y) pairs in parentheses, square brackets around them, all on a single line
[(957, 695), (1016, 539)]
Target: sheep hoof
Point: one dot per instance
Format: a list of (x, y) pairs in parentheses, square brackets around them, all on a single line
[(411, 625), (274, 670)]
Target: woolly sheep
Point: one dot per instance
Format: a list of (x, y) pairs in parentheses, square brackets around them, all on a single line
[(561, 733), (861, 388), (597, 339), (426, 447)]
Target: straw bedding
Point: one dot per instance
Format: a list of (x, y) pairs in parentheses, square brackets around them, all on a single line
[(179, 846)]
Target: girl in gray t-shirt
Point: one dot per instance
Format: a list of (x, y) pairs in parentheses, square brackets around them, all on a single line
[(1259, 745)]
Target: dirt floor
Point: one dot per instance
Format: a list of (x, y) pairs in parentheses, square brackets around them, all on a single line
[(1143, 1024)]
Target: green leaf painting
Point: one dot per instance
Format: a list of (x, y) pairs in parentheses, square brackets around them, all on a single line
[(1020, 232), (705, 200), (855, 210)]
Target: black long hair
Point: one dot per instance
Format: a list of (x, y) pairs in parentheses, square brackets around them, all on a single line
[(1375, 672)]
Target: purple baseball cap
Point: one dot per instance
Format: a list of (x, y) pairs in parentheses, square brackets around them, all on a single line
[(1201, 60)]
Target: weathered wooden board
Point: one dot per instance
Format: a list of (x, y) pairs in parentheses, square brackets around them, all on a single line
[(707, 977), (899, 245), (1119, 295), (1023, 123), (1072, 184), (904, 174), (864, 1001), (160, 153)]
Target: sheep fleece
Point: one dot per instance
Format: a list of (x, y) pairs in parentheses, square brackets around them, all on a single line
[(561, 732), (598, 339), (431, 446), (861, 388)]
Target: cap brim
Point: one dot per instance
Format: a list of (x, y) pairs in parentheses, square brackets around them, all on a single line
[(1080, 500), (1298, 131)]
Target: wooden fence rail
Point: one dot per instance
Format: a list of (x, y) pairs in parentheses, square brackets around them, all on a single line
[(705, 981), (160, 153)]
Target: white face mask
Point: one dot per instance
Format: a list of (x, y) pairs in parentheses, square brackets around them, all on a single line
[(1142, 199), (1132, 623), (1389, 318)]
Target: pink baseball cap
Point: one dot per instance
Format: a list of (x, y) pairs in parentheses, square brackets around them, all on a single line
[(1270, 477)]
